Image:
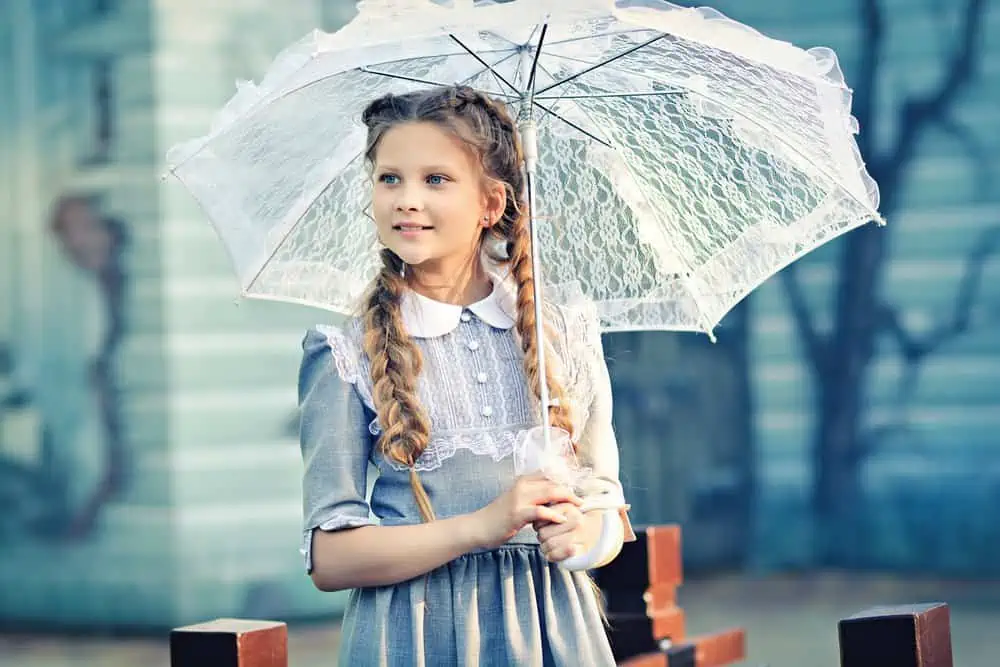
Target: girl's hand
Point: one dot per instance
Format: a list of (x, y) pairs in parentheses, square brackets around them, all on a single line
[(577, 534), (524, 503)]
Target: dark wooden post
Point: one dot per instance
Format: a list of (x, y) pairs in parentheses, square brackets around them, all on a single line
[(647, 625), (906, 636), (639, 589), (228, 642)]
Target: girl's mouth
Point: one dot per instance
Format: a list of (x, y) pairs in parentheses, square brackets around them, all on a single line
[(411, 229)]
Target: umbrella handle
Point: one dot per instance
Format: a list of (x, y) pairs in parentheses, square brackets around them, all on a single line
[(607, 541)]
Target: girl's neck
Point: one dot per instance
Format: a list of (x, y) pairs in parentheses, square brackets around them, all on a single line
[(461, 286)]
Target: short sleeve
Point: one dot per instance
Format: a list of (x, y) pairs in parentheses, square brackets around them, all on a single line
[(598, 445), (334, 438)]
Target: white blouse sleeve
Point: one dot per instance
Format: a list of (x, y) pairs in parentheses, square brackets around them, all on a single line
[(597, 444)]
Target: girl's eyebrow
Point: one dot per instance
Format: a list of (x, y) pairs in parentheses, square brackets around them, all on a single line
[(429, 169)]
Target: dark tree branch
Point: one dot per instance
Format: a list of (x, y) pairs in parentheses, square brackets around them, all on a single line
[(919, 111), (805, 324), (864, 90), (913, 349), (981, 160)]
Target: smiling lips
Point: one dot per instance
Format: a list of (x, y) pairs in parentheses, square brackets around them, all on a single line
[(410, 227)]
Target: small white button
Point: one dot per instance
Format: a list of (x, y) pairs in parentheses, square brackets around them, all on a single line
[(487, 411), (465, 317), (481, 377), (473, 345)]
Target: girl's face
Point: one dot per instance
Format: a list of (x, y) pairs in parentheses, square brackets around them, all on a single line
[(429, 202)]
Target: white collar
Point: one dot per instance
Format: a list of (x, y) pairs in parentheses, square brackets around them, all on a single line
[(426, 318)]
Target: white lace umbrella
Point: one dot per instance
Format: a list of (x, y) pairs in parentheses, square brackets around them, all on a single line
[(676, 158)]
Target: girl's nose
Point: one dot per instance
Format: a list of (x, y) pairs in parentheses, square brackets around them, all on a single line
[(409, 198)]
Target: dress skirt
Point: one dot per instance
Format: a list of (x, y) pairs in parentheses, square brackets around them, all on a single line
[(499, 608)]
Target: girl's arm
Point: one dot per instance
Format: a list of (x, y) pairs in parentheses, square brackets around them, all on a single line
[(385, 555), (342, 546)]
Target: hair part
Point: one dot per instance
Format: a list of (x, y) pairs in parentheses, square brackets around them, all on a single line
[(488, 130)]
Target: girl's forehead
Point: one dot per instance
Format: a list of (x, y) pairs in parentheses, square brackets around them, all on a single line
[(421, 144)]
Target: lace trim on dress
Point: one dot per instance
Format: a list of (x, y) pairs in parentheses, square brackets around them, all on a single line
[(346, 355), (498, 445)]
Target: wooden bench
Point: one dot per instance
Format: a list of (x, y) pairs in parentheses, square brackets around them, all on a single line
[(647, 627)]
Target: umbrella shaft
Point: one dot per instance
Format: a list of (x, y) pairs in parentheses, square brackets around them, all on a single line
[(536, 284), (529, 143)]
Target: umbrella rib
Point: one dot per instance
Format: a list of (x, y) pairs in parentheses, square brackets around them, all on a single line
[(606, 95), (490, 69), (531, 36), (487, 66), (413, 79), (602, 63), (578, 107), (513, 44), (534, 63), (573, 125), (626, 70)]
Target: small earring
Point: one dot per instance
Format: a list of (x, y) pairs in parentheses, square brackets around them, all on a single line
[(402, 270)]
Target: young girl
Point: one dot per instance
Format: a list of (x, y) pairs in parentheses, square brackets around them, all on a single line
[(436, 384)]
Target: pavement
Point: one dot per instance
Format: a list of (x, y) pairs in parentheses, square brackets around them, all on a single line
[(791, 621)]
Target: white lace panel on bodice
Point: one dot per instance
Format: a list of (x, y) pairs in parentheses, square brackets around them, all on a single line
[(472, 384)]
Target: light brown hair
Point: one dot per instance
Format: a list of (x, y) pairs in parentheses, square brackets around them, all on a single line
[(488, 130)]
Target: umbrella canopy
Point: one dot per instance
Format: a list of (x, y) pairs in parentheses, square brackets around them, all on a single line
[(682, 157)]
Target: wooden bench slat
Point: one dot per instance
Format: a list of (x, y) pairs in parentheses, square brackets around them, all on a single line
[(228, 642), (718, 649), (668, 624), (903, 636)]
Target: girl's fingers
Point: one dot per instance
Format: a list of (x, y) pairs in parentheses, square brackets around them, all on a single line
[(560, 548), (573, 518), (551, 530), (557, 493), (563, 553), (545, 491), (543, 513)]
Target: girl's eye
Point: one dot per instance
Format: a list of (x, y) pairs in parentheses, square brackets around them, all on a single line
[(436, 179), (389, 179)]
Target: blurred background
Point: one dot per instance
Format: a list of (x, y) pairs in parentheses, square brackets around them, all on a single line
[(839, 447)]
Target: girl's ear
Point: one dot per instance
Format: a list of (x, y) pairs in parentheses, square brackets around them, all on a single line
[(496, 202)]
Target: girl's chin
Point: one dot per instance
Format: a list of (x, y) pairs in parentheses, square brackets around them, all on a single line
[(412, 256)]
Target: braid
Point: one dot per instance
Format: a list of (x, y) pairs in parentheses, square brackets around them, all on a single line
[(395, 364), (505, 153), (520, 258)]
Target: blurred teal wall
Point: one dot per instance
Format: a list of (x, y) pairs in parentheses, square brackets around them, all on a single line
[(149, 472), (167, 489)]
